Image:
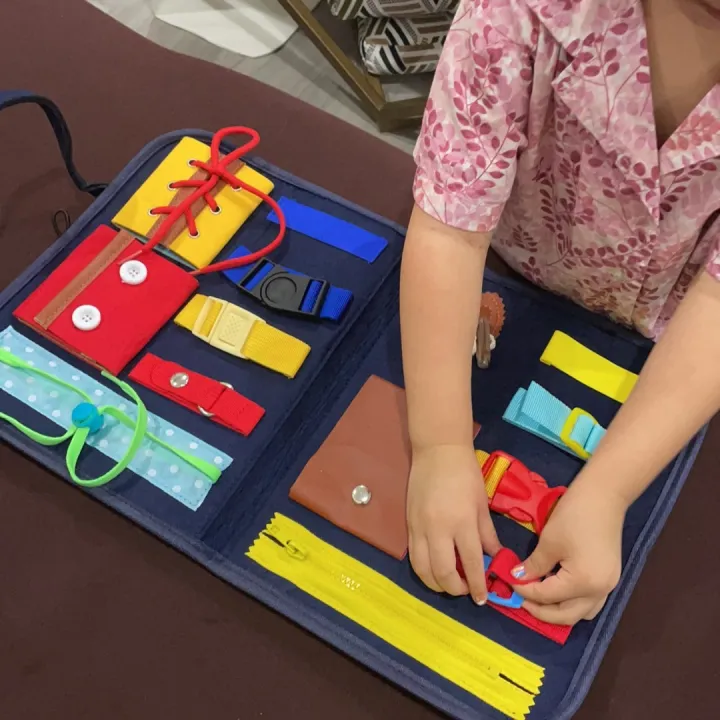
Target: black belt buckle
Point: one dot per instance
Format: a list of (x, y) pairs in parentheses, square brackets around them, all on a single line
[(282, 290)]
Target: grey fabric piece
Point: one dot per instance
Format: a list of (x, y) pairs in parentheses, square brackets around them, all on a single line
[(402, 46), (349, 9)]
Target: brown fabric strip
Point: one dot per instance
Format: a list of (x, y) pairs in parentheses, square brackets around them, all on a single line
[(196, 207), (97, 265)]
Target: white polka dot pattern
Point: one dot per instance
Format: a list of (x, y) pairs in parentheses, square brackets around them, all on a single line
[(161, 467)]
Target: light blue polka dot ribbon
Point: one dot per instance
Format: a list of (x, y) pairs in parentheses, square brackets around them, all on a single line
[(542, 414), (173, 460)]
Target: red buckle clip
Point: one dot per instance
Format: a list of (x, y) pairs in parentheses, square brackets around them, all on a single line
[(521, 494)]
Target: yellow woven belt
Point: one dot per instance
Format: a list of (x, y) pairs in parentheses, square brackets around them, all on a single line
[(241, 333)]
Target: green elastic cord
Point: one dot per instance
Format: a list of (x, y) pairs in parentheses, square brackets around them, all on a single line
[(77, 443), (47, 440), (78, 436), (39, 438), (211, 471)]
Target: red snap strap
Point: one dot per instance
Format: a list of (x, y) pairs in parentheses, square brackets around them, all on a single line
[(198, 393), (499, 581)]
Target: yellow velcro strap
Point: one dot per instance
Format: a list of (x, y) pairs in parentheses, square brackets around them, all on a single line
[(587, 367), (500, 677), (243, 334), (494, 476)]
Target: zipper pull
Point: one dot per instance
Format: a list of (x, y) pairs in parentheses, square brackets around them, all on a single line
[(293, 550)]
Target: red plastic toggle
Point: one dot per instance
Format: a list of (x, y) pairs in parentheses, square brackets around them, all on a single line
[(521, 494)]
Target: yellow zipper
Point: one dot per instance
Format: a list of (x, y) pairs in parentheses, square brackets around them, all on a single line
[(501, 678)]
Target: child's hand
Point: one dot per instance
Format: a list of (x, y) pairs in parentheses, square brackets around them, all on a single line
[(447, 509), (584, 537)]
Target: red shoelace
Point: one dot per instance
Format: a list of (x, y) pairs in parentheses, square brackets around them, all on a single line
[(216, 168)]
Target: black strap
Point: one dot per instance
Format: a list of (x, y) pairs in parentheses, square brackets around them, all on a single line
[(8, 98)]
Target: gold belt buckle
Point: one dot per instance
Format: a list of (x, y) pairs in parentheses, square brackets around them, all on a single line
[(231, 328)]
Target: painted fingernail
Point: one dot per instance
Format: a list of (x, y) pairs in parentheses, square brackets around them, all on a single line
[(480, 601), (518, 572)]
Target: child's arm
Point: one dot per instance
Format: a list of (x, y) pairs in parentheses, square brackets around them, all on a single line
[(678, 391), (474, 130), (440, 295)]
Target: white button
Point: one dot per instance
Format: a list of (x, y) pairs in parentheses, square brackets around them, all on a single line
[(133, 272), (86, 317)]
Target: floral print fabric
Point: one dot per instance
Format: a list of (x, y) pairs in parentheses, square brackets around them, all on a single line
[(540, 127)]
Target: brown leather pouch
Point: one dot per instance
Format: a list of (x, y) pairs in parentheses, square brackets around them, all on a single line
[(358, 478)]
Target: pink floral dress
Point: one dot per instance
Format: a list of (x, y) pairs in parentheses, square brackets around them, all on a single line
[(540, 127)]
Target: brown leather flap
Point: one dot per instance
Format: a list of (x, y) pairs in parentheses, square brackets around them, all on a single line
[(368, 447)]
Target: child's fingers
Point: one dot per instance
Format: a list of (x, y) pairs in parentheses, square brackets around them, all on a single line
[(470, 550), (420, 560), (488, 536), (444, 565), (557, 588), (565, 613)]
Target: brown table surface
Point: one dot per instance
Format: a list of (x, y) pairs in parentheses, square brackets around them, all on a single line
[(98, 619)]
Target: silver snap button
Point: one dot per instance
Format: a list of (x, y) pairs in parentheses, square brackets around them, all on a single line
[(179, 380), (361, 495)]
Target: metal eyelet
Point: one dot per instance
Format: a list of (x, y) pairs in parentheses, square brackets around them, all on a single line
[(195, 236), (217, 211), (170, 187), (209, 414), (151, 212), (190, 164)]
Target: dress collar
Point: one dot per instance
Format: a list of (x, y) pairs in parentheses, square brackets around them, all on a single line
[(606, 85)]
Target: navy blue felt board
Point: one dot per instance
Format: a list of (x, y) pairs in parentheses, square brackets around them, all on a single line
[(528, 329), (301, 413)]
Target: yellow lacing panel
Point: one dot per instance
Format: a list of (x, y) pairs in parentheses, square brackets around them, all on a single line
[(501, 678), (214, 230)]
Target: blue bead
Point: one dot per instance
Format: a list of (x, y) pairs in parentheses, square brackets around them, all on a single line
[(86, 415)]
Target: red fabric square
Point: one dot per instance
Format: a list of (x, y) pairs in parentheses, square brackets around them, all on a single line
[(130, 314)]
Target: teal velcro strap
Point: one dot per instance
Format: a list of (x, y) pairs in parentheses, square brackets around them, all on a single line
[(539, 412)]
